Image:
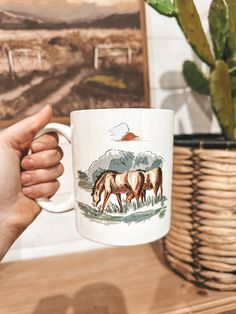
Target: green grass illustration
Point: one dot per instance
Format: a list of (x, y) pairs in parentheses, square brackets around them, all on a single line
[(112, 213), (162, 213), (84, 181)]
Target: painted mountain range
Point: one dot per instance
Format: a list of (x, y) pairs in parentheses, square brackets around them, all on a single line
[(13, 21)]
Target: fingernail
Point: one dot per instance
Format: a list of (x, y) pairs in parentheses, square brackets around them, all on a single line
[(26, 191), (38, 146), (46, 107), (26, 178)]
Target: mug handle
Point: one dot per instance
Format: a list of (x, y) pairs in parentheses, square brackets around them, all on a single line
[(46, 203)]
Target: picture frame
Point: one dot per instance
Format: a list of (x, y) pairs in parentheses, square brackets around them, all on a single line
[(74, 55)]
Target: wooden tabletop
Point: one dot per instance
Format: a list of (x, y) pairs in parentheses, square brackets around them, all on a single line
[(112, 281)]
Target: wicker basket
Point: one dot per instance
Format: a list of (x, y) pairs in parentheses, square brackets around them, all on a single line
[(201, 245)]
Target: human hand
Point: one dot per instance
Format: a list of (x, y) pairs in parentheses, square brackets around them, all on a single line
[(26, 177)]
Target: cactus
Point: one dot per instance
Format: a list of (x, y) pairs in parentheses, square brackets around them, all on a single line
[(195, 78), (220, 87), (220, 82), (219, 27), (232, 29), (165, 7), (190, 23)]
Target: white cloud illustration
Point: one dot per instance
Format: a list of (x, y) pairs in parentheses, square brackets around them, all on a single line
[(118, 131)]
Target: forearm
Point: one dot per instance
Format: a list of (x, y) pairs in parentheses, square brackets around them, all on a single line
[(6, 241)]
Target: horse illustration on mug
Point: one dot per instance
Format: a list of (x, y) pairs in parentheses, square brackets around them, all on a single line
[(152, 181), (133, 183)]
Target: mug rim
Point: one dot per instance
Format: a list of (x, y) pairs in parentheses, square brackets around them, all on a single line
[(121, 109)]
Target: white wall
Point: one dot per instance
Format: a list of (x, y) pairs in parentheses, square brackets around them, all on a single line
[(54, 234)]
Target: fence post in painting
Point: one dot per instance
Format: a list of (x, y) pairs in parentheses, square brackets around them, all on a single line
[(10, 61), (38, 60), (129, 51), (96, 58)]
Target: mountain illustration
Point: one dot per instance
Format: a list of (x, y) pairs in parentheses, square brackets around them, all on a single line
[(120, 161), (11, 21), (129, 20)]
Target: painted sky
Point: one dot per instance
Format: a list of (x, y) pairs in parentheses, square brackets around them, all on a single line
[(69, 10)]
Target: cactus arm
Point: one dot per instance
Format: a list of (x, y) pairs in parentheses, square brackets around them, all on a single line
[(189, 21), (233, 87), (164, 7), (232, 71), (195, 78), (234, 106), (232, 29), (222, 102), (219, 26)]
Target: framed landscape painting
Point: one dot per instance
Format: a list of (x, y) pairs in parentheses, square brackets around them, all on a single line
[(72, 54)]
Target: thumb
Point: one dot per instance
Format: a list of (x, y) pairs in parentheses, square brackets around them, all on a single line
[(25, 130)]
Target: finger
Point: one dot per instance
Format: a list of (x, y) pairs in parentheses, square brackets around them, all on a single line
[(41, 190), (45, 142), (41, 160), (29, 178), (25, 130)]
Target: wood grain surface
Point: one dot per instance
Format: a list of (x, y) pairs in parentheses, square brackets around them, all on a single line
[(112, 281)]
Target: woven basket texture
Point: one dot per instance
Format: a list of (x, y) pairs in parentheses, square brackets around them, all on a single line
[(201, 244)]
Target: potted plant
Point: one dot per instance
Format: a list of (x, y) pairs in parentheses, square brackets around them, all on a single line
[(220, 82), (201, 245)]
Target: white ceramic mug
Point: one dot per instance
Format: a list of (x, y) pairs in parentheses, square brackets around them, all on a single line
[(122, 166)]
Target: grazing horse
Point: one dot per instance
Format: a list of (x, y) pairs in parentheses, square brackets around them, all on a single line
[(112, 182), (152, 181)]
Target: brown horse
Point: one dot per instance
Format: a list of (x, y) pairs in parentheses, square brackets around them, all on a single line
[(112, 182), (152, 181)]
